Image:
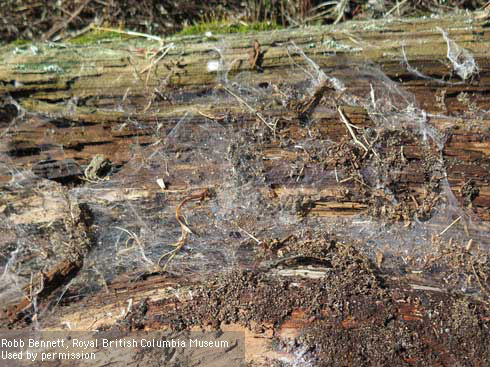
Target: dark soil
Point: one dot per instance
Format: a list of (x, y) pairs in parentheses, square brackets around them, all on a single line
[(354, 316)]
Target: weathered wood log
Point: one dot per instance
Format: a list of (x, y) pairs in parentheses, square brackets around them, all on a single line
[(88, 93), (65, 104)]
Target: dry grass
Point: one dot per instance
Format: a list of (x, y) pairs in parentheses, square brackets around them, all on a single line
[(54, 21)]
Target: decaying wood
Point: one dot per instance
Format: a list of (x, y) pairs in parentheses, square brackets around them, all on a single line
[(44, 283), (76, 91), (85, 98)]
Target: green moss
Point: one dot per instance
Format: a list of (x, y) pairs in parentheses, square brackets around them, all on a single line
[(95, 36), (221, 27), (19, 42)]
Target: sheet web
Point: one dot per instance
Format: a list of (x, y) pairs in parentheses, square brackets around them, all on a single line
[(405, 230), (241, 184)]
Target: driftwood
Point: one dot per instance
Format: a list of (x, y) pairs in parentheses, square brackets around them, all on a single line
[(85, 98)]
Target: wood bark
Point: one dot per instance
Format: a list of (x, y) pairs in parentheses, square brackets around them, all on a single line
[(85, 98)]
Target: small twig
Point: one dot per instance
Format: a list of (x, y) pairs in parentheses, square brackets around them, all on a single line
[(300, 173), (345, 179), (211, 117), (415, 201), (258, 114), (449, 226), (370, 147), (349, 128), (164, 50), (128, 309), (361, 182), (396, 7), (340, 8), (135, 238), (426, 288), (32, 292), (130, 33), (249, 234), (373, 97), (404, 160), (185, 230), (62, 25), (484, 289)]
